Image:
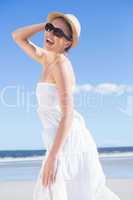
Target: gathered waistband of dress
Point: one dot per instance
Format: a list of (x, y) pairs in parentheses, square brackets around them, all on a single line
[(57, 108), (46, 107)]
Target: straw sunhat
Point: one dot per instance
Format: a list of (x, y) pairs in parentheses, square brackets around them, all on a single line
[(74, 22)]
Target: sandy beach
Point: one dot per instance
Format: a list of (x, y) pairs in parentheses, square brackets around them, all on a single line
[(23, 190), (18, 176)]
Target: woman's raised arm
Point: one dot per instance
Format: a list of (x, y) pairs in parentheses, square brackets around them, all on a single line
[(21, 36)]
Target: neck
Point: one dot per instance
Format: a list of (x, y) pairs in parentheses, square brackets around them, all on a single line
[(64, 53)]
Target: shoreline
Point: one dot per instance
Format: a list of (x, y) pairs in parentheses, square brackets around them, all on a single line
[(39, 158), (28, 169)]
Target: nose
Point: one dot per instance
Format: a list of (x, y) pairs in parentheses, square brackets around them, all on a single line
[(50, 33)]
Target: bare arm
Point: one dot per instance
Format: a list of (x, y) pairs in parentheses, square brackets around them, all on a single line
[(21, 36), (62, 77)]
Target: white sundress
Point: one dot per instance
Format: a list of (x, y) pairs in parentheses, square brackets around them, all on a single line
[(79, 175)]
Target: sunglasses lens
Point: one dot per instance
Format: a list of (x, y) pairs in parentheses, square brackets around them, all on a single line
[(48, 27), (58, 32)]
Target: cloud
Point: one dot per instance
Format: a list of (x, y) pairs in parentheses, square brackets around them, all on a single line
[(105, 88)]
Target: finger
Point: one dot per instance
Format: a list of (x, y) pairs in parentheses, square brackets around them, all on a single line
[(44, 179), (43, 176), (54, 177), (50, 179), (55, 172)]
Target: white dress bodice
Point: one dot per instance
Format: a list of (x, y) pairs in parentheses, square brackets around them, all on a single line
[(49, 111)]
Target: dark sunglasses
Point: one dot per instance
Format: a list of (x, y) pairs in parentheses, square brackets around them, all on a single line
[(56, 31)]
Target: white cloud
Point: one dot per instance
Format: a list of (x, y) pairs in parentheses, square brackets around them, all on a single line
[(105, 88)]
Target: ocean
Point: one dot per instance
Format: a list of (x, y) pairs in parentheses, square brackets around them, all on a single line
[(117, 162)]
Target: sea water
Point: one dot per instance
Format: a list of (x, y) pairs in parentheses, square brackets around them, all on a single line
[(117, 162)]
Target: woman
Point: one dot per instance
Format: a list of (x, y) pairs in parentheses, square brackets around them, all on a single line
[(71, 169)]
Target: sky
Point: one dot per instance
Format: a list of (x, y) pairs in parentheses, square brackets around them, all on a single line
[(102, 63)]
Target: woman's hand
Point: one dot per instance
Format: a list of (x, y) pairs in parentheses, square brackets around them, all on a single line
[(49, 171)]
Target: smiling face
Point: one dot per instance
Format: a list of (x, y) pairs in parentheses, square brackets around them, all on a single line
[(57, 44)]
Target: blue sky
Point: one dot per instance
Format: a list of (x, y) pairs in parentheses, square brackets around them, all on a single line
[(102, 63)]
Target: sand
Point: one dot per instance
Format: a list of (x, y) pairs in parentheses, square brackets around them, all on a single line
[(23, 190)]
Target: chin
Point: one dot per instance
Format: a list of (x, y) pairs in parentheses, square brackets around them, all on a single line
[(49, 48)]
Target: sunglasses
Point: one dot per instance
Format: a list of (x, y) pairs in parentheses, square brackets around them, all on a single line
[(56, 31)]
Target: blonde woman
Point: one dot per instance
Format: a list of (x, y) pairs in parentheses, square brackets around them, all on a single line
[(71, 169)]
